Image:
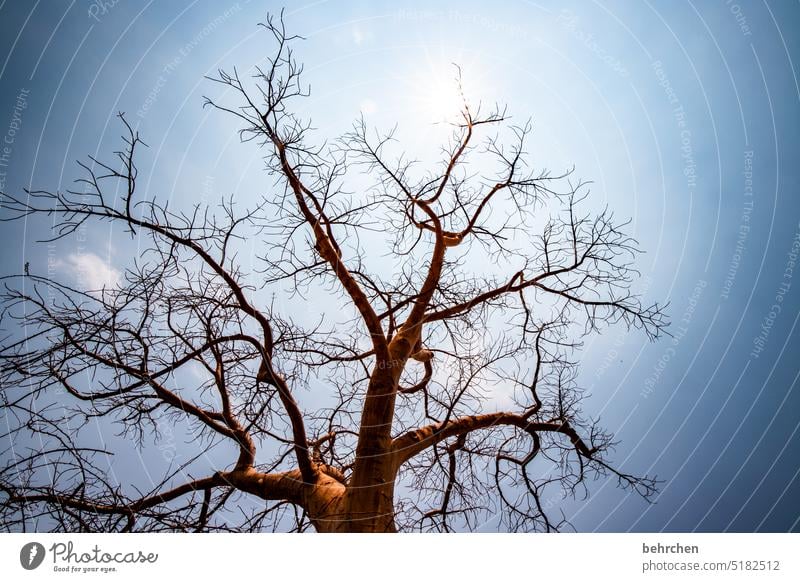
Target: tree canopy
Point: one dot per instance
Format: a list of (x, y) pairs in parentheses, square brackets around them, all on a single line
[(447, 358)]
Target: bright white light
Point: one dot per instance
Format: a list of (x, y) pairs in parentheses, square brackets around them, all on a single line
[(438, 94), (368, 107)]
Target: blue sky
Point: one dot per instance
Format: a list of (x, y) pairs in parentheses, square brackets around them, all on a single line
[(684, 115)]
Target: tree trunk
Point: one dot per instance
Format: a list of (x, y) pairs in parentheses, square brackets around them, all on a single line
[(367, 503), (355, 516), (334, 509)]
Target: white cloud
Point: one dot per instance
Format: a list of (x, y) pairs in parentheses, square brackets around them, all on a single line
[(91, 272)]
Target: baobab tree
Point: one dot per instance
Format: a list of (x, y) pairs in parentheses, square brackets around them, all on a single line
[(449, 383)]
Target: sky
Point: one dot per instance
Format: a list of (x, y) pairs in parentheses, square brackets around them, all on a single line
[(683, 114)]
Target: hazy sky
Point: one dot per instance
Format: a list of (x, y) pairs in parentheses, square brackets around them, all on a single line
[(684, 114)]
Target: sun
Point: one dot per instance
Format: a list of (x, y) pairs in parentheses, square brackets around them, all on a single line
[(440, 88), (440, 96)]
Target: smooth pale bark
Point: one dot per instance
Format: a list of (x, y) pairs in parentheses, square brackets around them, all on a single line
[(368, 503)]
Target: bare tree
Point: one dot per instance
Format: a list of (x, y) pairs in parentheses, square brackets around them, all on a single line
[(409, 437)]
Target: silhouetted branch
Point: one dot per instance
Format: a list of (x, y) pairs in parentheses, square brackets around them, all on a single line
[(496, 277)]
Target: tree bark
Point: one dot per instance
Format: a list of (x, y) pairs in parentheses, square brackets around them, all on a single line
[(334, 508), (354, 511), (368, 502)]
